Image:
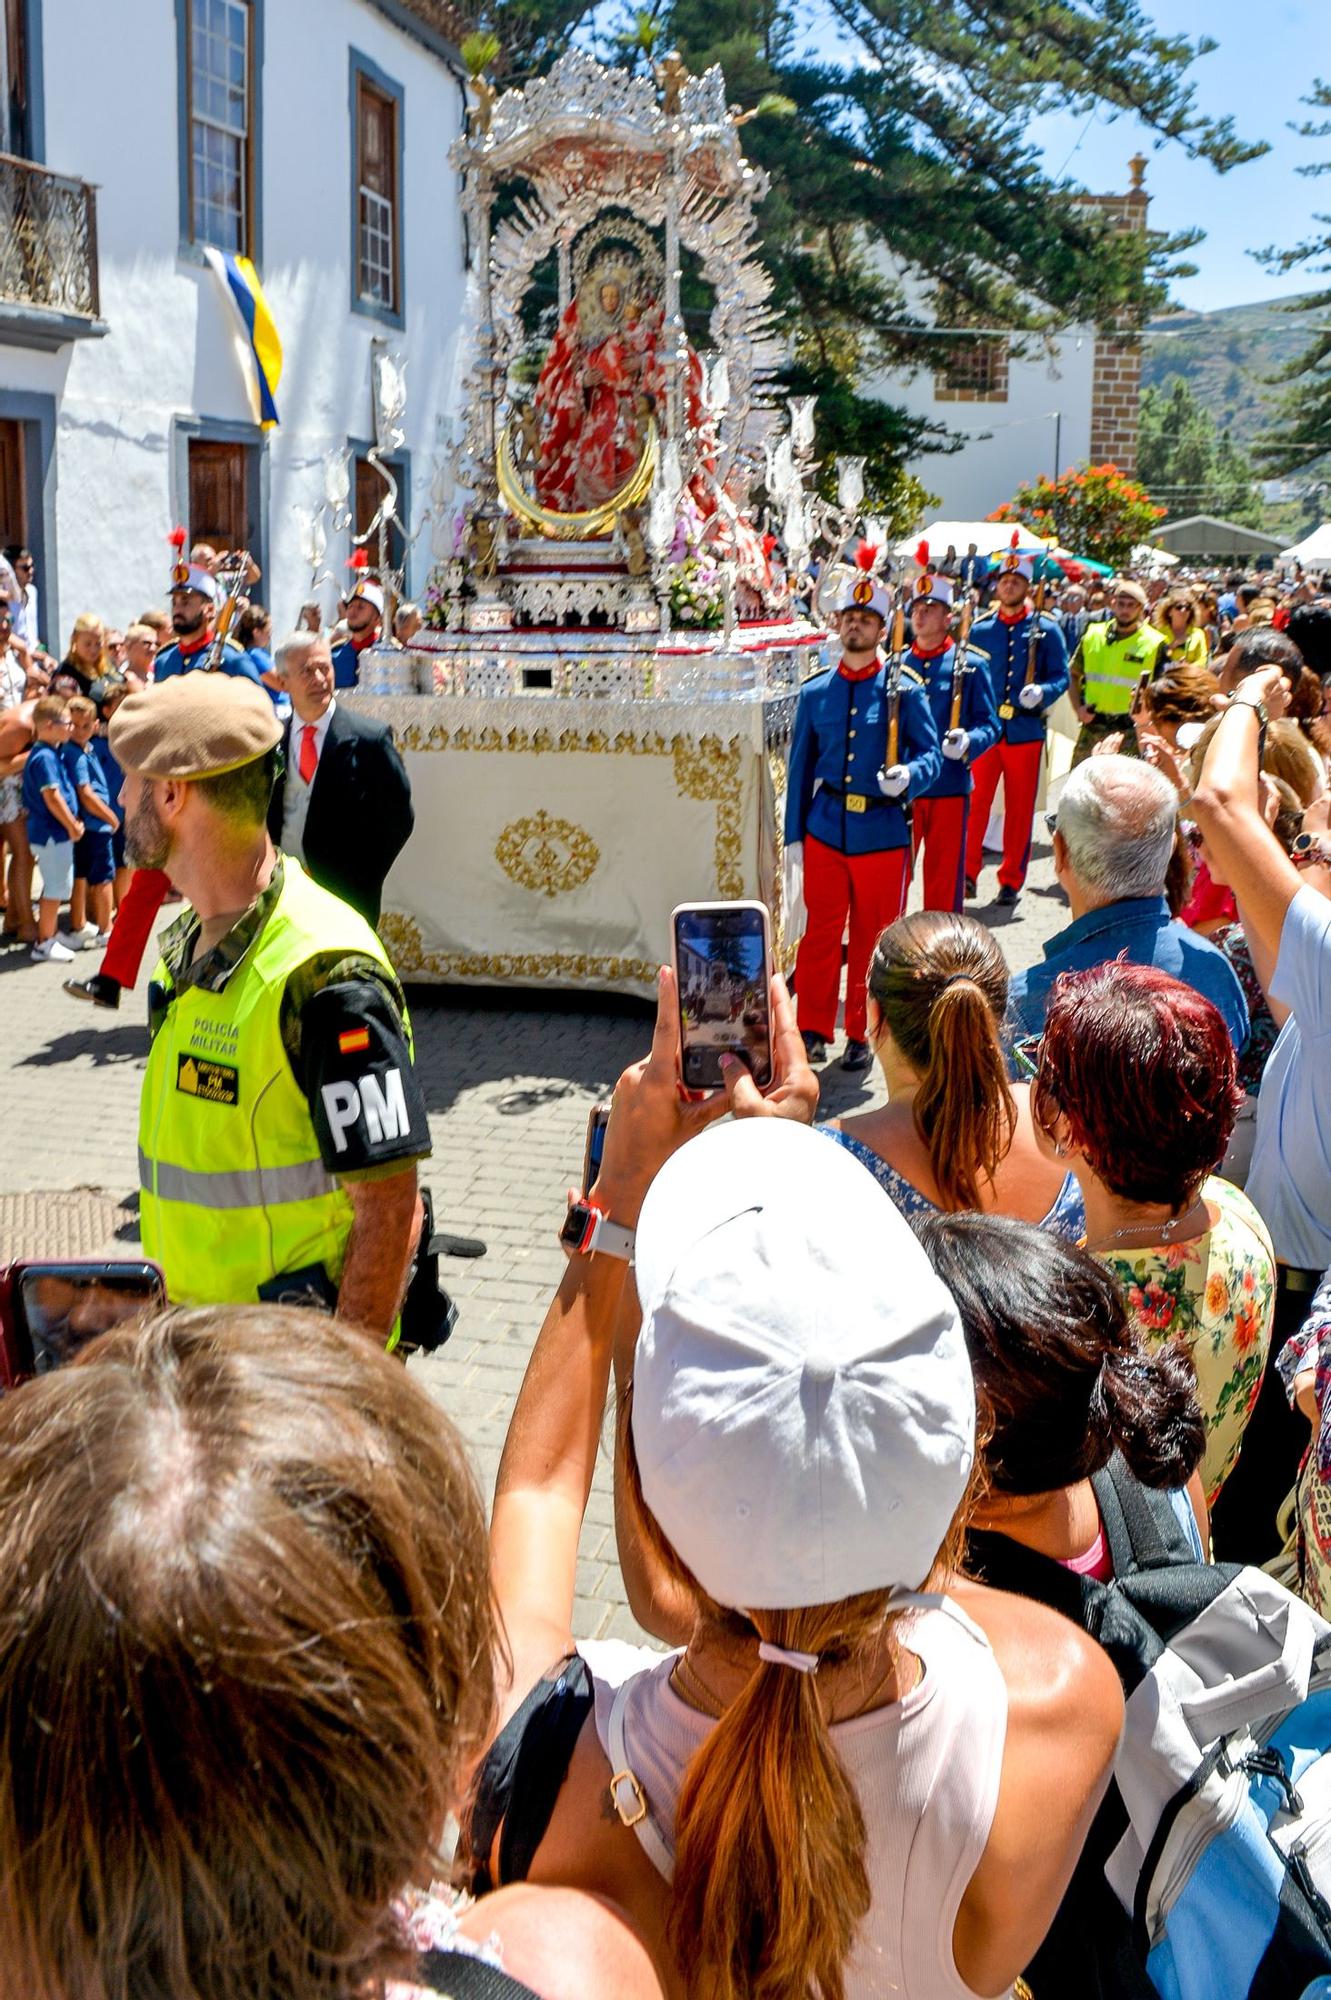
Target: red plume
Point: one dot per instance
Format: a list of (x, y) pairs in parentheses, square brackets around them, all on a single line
[(866, 555), (922, 555), (177, 538), (1016, 537), (769, 543), (358, 559)]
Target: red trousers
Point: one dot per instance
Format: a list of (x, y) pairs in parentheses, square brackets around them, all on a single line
[(133, 926), (871, 890), (940, 829), (1018, 765)]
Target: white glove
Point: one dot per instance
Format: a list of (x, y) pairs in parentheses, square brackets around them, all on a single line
[(894, 781), (1031, 695), (796, 917), (956, 745)]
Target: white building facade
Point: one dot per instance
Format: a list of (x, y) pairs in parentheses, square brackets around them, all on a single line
[(1072, 399), (309, 135)]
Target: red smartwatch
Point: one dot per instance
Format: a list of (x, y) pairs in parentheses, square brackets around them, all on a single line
[(588, 1229)]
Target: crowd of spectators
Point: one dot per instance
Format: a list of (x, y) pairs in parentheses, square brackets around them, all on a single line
[(282, 1723)]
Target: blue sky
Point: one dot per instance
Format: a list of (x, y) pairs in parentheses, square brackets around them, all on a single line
[(1267, 56)]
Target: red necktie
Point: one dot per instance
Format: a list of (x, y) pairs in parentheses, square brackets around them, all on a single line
[(309, 756)]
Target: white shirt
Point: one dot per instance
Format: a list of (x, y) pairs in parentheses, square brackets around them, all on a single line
[(296, 797), (1290, 1177), (13, 679), (23, 611)]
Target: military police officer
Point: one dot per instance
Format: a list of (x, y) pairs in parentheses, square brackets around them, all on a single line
[(281, 1119), (846, 812)]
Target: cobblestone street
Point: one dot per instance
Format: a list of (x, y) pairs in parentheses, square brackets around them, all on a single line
[(509, 1078)]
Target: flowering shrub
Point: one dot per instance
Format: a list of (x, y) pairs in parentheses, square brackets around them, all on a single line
[(1094, 510)]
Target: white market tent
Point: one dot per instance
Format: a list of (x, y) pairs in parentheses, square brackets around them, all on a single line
[(1314, 548), (989, 537)]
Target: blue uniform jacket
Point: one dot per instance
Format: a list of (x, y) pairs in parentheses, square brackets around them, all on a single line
[(837, 748), (979, 717), (171, 661), (346, 665), (1006, 646)]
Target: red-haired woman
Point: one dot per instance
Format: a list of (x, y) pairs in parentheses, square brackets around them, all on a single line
[(1136, 1090)]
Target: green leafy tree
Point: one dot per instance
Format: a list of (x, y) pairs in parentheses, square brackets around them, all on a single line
[(1186, 464), (1094, 510), (898, 141), (1301, 433)]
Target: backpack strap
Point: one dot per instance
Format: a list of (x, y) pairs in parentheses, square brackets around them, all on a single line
[(459, 1976), (1140, 1526), (522, 1772)]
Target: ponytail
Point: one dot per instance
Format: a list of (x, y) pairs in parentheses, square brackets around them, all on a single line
[(1063, 1379), (941, 984), (771, 1874), (1152, 1414), (964, 1108)]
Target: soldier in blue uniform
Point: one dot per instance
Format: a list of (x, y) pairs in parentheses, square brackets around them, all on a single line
[(847, 826), (365, 621), (1023, 699), (966, 719), (193, 606)]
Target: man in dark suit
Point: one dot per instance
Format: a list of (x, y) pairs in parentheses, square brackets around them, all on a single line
[(343, 803)]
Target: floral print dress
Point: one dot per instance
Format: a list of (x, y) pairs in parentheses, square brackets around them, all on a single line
[(1216, 1297)]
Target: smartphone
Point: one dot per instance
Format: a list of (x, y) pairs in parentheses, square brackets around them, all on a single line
[(597, 1120), (48, 1311), (1139, 692), (723, 972)]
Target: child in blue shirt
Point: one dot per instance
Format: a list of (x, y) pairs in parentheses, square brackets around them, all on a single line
[(51, 804), (94, 863), (108, 693)]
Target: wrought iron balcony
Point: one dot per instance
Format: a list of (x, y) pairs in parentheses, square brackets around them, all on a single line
[(48, 246)]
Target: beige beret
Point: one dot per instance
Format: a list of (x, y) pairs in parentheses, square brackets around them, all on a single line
[(195, 725), (1129, 587)]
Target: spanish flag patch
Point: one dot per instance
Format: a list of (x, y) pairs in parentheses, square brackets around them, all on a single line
[(353, 1040)]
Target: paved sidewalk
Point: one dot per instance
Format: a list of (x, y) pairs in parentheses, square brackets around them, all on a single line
[(509, 1079)]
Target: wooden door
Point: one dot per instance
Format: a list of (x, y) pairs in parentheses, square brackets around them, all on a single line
[(370, 491), (13, 490), (218, 509)]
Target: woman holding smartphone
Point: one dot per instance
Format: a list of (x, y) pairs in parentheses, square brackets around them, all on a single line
[(839, 1784)]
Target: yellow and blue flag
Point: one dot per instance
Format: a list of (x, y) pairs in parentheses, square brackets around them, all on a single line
[(258, 335)]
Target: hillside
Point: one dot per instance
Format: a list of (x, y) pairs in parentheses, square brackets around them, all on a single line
[(1226, 358)]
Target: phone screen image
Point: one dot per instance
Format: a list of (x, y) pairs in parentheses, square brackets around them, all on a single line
[(64, 1307), (721, 959)]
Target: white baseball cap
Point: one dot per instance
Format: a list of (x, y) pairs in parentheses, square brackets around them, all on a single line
[(803, 1406)]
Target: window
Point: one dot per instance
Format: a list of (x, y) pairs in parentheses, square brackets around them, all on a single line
[(377, 197), (976, 372), (219, 494), (370, 491), (220, 84), (15, 121)]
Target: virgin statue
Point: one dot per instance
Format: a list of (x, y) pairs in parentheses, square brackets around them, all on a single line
[(602, 380)]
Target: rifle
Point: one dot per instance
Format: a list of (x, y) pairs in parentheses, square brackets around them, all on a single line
[(236, 569), (894, 687), (961, 666), (1033, 643)]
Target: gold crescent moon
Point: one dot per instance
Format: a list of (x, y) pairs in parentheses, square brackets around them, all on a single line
[(592, 523)]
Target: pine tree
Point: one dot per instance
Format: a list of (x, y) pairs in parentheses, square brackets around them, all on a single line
[(1301, 434), (1186, 465), (907, 148)]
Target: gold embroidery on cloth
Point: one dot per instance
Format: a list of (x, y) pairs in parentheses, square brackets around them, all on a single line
[(708, 770), (402, 940), (547, 855)]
